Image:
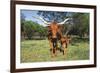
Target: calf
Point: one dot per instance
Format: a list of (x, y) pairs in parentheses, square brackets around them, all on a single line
[(64, 43)]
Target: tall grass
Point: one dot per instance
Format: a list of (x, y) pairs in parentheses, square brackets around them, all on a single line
[(39, 51)]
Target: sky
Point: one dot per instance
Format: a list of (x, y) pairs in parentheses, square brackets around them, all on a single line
[(28, 16)]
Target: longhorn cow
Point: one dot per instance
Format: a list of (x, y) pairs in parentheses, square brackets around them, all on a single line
[(55, 34)]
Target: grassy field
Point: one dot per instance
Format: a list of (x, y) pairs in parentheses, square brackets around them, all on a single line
[(39, 51)]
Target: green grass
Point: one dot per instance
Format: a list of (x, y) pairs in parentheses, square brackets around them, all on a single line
[(39, 51)]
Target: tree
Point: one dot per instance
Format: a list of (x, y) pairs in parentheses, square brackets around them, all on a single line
[(42, 31), (22, 26), (54, 15), (81, 23), (29, 29)]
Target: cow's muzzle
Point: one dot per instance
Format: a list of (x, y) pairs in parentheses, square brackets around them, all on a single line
[(54, 40)]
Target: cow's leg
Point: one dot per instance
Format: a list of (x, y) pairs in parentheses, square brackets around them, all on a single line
[(55, 51), (51, 48), (55, 47), (64, 49)]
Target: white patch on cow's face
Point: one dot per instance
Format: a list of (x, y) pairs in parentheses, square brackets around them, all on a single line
[(64, 45)]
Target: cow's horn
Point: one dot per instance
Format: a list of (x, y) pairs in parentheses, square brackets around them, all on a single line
[(40, 18), (64, 21)]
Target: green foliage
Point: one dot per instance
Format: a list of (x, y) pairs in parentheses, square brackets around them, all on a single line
[(81, 23), (30, 28)]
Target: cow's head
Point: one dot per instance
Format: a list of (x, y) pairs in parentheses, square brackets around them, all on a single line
[(54, 28)]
